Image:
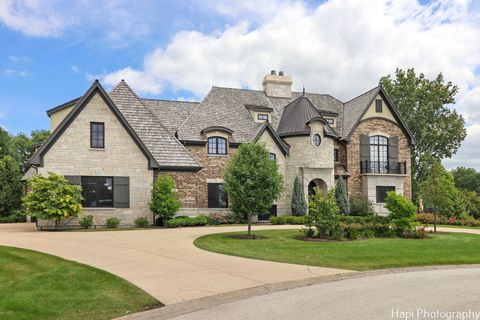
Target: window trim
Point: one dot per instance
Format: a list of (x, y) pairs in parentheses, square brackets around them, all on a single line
[(387, 188), (375, 165), (98, 177), (378, 105), (319, 140), (272, 156), (330, 120), (216, 138), (260, 116), (102, 124)]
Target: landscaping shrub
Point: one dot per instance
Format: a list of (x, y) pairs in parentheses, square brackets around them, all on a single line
[(86, 221), (470, 222), (361, 207), (141, 222), (323, 214), (341, 197), (354, 227), (187, 222), (15, 216), (288, 220), (428, 218), (402, 213), (52, 197), (164, 201), (222, 218), (299, 205), (113, 222)]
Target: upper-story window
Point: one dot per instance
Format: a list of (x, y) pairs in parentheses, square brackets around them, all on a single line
[(379, 106), (330, 121), (379, 154), (97, 135), (316, 140), (217, 145), (273, 156), (262, 116), (335, 155)]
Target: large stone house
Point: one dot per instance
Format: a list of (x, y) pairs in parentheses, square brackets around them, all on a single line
[(115, 144)]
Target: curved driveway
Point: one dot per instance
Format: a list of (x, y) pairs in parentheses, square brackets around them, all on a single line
[(163, 262)]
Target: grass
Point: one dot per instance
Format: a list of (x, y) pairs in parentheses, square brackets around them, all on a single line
[(287, 246), (450, 226), (35, 285)]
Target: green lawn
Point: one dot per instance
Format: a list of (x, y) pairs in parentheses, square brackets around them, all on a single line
[(287, 246), (35, 285)]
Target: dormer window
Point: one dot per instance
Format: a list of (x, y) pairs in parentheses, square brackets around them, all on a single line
[(262, 116), (217, 145)]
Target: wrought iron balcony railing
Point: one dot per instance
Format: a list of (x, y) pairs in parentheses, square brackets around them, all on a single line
[(383, 167)]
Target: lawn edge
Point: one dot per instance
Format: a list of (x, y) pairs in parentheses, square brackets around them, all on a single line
[(190, 306)]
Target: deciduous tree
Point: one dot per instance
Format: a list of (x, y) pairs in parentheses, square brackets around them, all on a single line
[(164, 201)]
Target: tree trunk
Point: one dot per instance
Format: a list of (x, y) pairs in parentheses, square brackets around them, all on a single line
[(435, 221), (249, 217)]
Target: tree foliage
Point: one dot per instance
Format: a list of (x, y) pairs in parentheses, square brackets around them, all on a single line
[(23, 146), (341, 197), (323, 214), (438, 191), (164, 201), (11, 188), (402, 213), (424, 105), (299, 205), (252, 180), (52, 197), (467, 179)]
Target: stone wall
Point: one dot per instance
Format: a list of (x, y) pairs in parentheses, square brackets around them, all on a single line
[(71, 155), (374, 126)]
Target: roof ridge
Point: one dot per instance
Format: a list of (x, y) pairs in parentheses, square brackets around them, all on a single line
[(167, 100), (196, 108), (374, 88)]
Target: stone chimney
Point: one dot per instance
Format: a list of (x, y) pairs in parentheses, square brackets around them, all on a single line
[(277, 86)]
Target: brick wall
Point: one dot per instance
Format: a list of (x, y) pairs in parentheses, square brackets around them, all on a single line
[(376, 126)]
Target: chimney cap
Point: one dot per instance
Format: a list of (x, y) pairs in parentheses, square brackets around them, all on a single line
[(280, 73), (273, 73)]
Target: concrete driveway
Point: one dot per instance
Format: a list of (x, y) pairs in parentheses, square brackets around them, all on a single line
[(163, 262)]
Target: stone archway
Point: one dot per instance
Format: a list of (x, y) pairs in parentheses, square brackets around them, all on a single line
[(316, 183)]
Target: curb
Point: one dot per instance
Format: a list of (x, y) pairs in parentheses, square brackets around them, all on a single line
[(182, 308)]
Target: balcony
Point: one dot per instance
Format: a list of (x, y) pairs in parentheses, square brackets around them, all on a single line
[(383, 167)]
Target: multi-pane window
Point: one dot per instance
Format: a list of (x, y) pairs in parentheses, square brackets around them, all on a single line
[(262, 116), (217, 197), (97, 191), (330, 121), (382, 193), (378, 154), (217, 145), (335, 155), (97, 135), (273, 156), (379, 106)]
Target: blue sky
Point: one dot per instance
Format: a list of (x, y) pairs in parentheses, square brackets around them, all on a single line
[(52, 50)]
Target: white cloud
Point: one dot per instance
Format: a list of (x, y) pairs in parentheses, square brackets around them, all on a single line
[(469, 154), (20, 59), (15, 73), (341, 47), (76, 69), (32, 17), (3, 115)]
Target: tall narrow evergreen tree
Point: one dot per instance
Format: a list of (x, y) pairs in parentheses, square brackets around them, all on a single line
[(341, 197), (299, 205)]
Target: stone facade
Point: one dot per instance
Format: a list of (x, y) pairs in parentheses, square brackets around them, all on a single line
[(71, 155), (375, 126)]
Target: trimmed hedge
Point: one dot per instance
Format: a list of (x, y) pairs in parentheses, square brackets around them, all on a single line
[(288, 220), (428, 218), (13, 218), (187, 222)]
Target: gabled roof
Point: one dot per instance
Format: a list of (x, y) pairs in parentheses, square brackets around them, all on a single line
[(168, 152), (37, 158), (63, 106), (276, 138), (355, 109), (296, 117)]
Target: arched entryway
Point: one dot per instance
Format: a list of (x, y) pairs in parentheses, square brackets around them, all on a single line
[(316, 183)]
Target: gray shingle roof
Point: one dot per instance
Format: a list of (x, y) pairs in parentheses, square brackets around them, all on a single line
[(228, 107), (166, 149), (355, 108), (171, 113)]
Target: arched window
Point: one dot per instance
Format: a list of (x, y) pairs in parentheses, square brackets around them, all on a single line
[(379, 154), (217, 145)]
